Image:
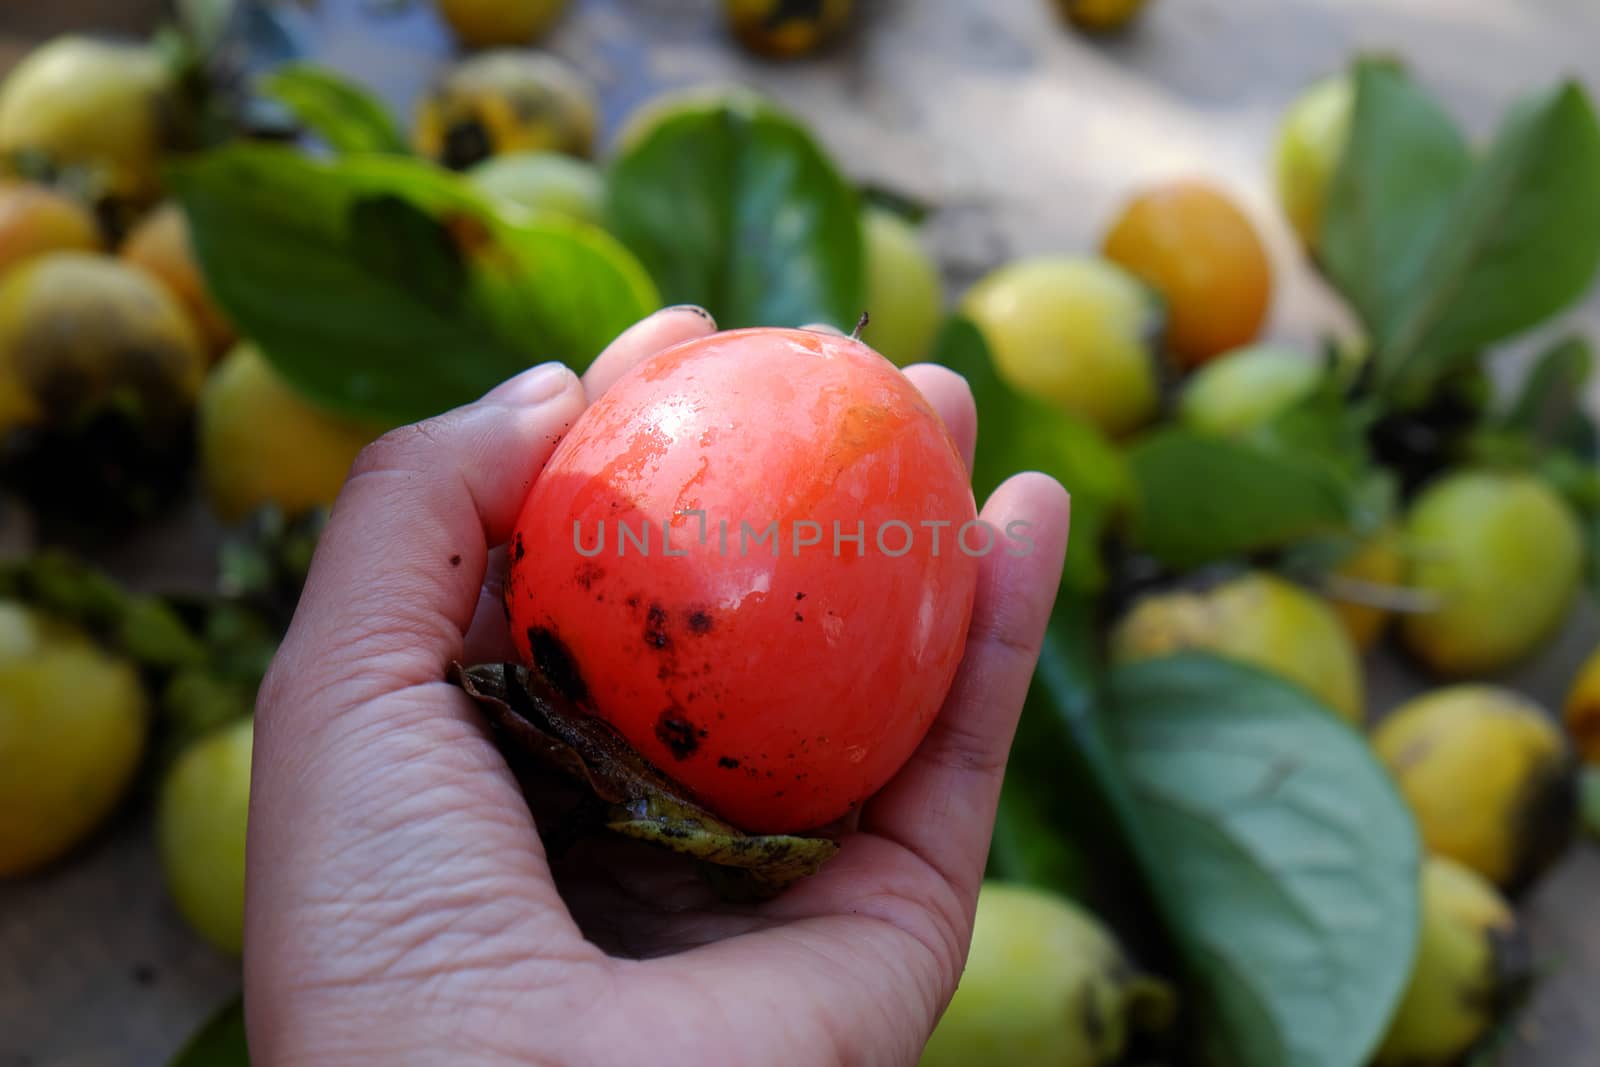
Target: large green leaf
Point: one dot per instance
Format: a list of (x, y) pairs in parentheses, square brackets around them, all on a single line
[(1522, 242), (1441, 257), (1202, 498), (731, 205), (1400, 174), (1283, 858), (219, 1043), (1017, 432), (390, 288), (342, 113)]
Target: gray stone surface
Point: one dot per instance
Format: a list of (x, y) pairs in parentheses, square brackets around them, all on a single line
[(1025, 137)]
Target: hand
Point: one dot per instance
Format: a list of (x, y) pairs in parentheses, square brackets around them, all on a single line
[(400, 908)]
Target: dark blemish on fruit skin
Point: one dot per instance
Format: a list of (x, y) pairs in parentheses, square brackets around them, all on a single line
[(678, 734), (588, 574), (632, 602), (557, 664), (699, 622), (517, 551), (728, 763), (455, 561), (799, 617), (799, 596), (655, 623)]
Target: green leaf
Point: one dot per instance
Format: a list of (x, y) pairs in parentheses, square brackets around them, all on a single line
[(1018, 433), (1441, 260), (1402, 170), (1066, 820), (1551, 392), (388, 287), (1589, 801), (1282, 855), (1200, 498), (204, 22), (219, 1043), (731, 205), (343, 114), (1522, 242)]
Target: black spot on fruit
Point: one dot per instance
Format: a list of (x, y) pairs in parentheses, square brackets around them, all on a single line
[(455, 560), (799, 617), (550, 655), (678, 734), (699, 622), (655, 627), (465, 143), (728, 763), (799, 596), (588, 574), (517, 551)]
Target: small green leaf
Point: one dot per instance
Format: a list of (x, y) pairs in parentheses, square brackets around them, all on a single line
[(1282, 855), (1551, 392), (1201, 499), (1066, 817), (1589, 800), (204, 22), (1018, 433), (343, 114), (219, 1043), (388, 287), (731, 205), (1402, 170)]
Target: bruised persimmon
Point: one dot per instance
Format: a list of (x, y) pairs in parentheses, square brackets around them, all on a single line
[(755, 556)]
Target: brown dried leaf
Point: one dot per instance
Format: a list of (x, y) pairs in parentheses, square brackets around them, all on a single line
[(640, 802)]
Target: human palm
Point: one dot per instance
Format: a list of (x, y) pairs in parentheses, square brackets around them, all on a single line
[(400, 906)]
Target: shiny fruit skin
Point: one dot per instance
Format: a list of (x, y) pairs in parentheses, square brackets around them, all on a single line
[(783, 29), (1469, 937), (905, 298), (73, 720), (1503, 555), (1257, 619), (35, 220), (1489, 777), (1100, 16), (545, 183), (1199, 251), (1245, 388), (93, 106), (506, 100), (492, 23), (200, 832), (1045, 985), (1072, 331), (1310, 144), (80, 331), (261, 442), (160, 246), (780, 690), (1376, 562), (1582, 709)]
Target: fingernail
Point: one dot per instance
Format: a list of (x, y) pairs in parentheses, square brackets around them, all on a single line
[(534, 385), (693, 309)]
